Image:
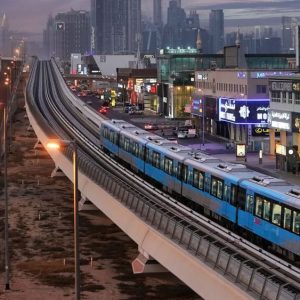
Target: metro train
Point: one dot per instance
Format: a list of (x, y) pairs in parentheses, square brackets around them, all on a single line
[(263, 208)]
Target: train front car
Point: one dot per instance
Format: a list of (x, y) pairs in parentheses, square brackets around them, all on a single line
[(271, 214), (110, 135)]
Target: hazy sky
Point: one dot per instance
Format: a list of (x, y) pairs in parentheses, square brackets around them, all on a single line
[(31, 15)]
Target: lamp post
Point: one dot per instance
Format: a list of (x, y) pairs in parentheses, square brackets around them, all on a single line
[(5, 198), (56, 145)]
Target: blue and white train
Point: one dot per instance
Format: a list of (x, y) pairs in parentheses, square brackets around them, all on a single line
[(264, 208)]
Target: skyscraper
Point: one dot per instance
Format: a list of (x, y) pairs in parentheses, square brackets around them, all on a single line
[(157, 13), (116, 26), (72, 33), (4, 37), (287, 34), (216, 30), (49, 38)]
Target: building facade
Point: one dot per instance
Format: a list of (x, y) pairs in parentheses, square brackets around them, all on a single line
[(115, 26), (216, 30), (72, 34), (284, 113)]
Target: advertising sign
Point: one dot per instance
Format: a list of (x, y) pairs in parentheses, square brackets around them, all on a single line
[(296, 122), (262, 131), (244, 111), (280, 119), (240, 150), (197, 107)]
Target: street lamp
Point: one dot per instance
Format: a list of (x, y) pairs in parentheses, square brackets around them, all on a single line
[(61, 144), (5, 198)]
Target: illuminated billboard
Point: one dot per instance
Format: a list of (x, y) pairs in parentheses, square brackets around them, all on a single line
[(244, 111)]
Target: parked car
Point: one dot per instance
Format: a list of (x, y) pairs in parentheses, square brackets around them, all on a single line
[(134, 110)]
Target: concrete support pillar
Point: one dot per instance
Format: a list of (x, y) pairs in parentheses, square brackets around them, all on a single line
[(283, 138), (272, 142), (143, 264)]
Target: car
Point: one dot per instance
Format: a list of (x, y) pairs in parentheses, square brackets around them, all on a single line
[(134, 110), (103, 109)]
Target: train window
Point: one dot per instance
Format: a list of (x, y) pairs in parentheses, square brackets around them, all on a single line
[(141, 152), (148, 156), (115, 140), (266, 210), (214, 185), (220, 189), (207, 183), (217, 187), (241, 198), (287, 213), (179, 168), (233, 195), (175, 169), (156, 159), (296, 222), (126, 144), (198, 179), (249, 204), (227, 193), (111, 135), (258, 206), (121, 141), (276, 214), (105, 132), (184, 173), (168, 166), (135, 149)]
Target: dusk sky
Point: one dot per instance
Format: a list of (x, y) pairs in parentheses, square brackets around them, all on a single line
[(31, 15)]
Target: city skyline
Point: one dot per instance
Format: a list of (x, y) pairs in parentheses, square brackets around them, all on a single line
[(33, 17)]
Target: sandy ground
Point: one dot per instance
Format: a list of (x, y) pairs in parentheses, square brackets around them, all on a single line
[(41, 238)]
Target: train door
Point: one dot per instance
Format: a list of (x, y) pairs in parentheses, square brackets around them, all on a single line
[(249, 209)]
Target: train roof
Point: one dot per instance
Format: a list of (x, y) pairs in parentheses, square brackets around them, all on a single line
[(118, 124), (174, 151), (140, 135)]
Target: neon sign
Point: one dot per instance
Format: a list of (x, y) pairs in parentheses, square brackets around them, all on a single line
[(244, 111)]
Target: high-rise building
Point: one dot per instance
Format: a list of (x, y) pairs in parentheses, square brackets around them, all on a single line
[(216, 30), (287, 35), (115, 26), (5, 43), (157, 13), (72, 33), (49, 38)]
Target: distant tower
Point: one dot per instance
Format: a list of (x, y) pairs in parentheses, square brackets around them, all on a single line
[(216, 29), (157, 17), (4, 37), (199, 42), (238, 40)]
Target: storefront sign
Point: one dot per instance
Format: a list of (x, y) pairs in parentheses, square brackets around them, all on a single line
[(269, 74), (280, 119), (244, 111), (263, 131), (281, 86)]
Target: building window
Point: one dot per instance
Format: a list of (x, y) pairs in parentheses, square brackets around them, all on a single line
[(261, 89), (297, 98), (290, 101), (275, 97)]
